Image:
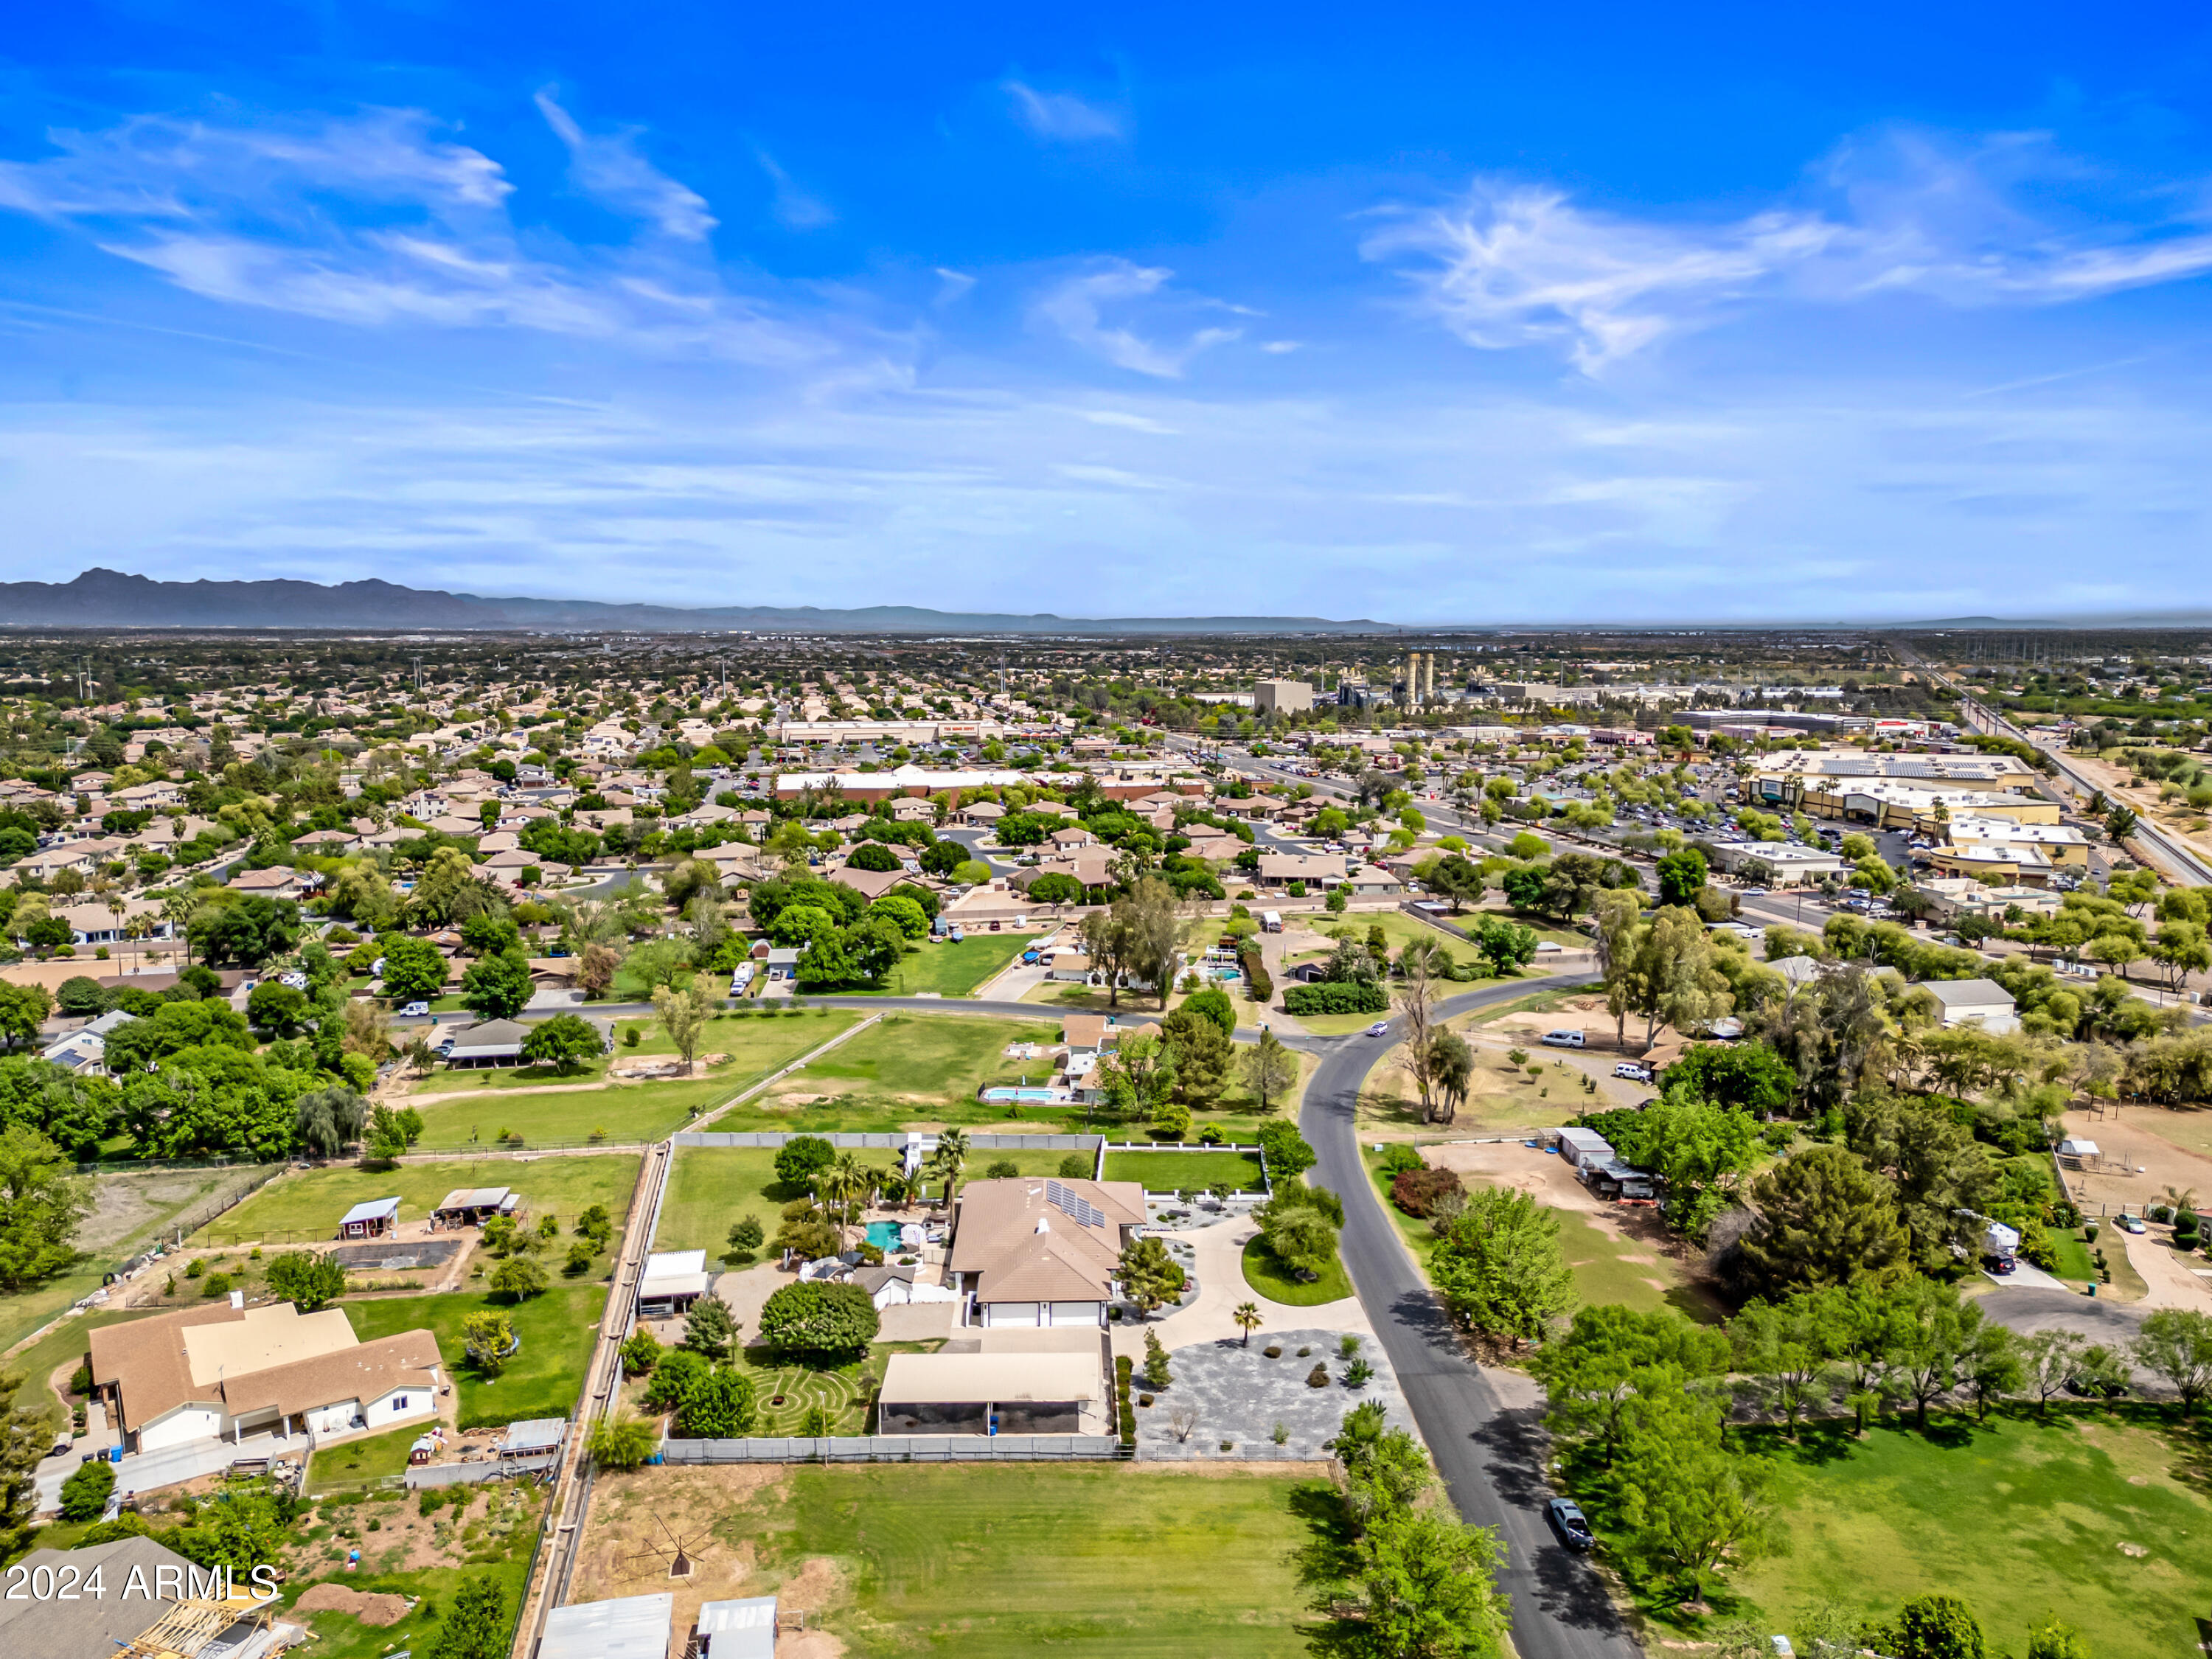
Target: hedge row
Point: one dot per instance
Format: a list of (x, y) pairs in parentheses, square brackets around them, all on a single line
[(1257, 980), (1337, 996), (1122, 1367)]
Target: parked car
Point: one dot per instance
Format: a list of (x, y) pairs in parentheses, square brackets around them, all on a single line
[(1634, 1071), (2129, 1224), (414, 1011), (1562, 1039), (1380, 1028), (1570, 1523)]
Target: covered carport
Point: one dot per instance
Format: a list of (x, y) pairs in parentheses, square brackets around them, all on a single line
[(989, 1392)]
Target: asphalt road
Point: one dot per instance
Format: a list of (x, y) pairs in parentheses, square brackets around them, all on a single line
[(1491, 1456)]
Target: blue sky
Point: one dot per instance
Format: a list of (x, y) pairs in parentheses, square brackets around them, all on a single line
[(1462, 313)]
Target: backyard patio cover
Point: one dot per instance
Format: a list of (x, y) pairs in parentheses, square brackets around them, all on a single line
[(959, 1379)]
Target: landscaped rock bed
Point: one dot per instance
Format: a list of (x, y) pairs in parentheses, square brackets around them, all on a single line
[(1239, 1395)]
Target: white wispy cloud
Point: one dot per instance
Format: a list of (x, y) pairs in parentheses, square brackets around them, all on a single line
[(795, 208), (1078, 308), (609, 169), (378, 219), (1059, 115), (1511, 264)]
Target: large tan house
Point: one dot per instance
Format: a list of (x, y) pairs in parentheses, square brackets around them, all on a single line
[(1033, 1251), (224, 1372)]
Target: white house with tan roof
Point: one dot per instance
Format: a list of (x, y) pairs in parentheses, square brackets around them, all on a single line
[(1032, 1251), (227, 1372)]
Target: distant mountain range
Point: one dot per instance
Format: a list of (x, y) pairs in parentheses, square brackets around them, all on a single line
[(109, 598)]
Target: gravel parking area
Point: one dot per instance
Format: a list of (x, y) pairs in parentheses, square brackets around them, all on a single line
[(1238, 1395)]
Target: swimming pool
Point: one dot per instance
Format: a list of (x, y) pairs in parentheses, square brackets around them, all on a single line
[(1019, 1094), (884, 1235)]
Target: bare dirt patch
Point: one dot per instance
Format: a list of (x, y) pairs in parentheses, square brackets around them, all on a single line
[(638, 1518), (343, 1598), (122, 1204)]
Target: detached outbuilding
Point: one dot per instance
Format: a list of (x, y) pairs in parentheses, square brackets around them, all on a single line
[(370, 1218)]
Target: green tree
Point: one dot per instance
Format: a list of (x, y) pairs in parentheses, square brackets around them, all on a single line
[(1458, 879), (1786, 1352), (1934, 1336), (1499, 1266), (1504, 945), (2052, 1640), (1823, 1218), (640, 1352), (720, 1405), (1747, 1076), (565, 1042), (2176, 1344), (1203, 1055), (414, 971), (325, 1121), (42, 1204), (710, 1328), (307, 1280), (519, 1278), (1703, 1151), (800, 1158), (475, 1626), (1688, 1503), (497, 986), (1270, 1068), (1610, 1355), (1681, 876), (1213, 1003), (814, 1318), (1428, 1587), (685, 1014), (1148, 1274), (245, 932)]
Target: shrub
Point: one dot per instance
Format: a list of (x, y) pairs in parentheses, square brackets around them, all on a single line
[(84, 1494), (1076, 1166), (1337, 996), (1002, 1169), (1273, 1350), (1122, 1367), (801, 1157), (1358, 1373), (1317, 1378), (215, 1284), (1402, 1156), (1416, 1191)]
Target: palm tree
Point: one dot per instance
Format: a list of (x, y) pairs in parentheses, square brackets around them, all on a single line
[(951, 1152), (1247, 1319), (845, 1186)]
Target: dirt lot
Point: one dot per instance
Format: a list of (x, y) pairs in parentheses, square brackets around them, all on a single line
[(2142, 1166)]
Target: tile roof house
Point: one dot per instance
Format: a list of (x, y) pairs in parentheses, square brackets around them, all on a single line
[(225, 1371), (1032, 1251)]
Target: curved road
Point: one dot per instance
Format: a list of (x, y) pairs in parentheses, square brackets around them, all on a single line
[(1491, 1454)]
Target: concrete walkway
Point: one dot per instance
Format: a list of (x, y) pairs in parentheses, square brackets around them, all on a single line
[(1220, 1250)]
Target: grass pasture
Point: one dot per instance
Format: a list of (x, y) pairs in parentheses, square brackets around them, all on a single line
[(2091, 1517), (753, 1044), (308, 1206), (907, 1068), (544, 1377), (1135, 1561), (130, 1212), (1628, 1272)]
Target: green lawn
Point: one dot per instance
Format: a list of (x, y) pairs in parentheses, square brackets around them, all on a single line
[(357, 1463), (1414, 1230), (70, 1342), (544, 1378), (1003, 1563), (1186, 1172), (710, 1188), (306, 1206), (949, 970), (979, 1163), (2092, 1517), (1269, 1276), (847, 1393), (130, 1212), (2073, 1261)]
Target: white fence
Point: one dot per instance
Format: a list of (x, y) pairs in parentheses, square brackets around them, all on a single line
[(895, 1142), (462, 1474)]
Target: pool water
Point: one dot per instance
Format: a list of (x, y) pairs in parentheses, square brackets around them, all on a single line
[(884, 1235), (1011, 1093)]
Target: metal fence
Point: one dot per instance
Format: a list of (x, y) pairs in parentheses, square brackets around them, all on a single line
[(463, 1474), (898, 1449)]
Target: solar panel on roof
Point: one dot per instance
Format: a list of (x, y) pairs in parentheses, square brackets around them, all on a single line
[(1082, 1209)]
